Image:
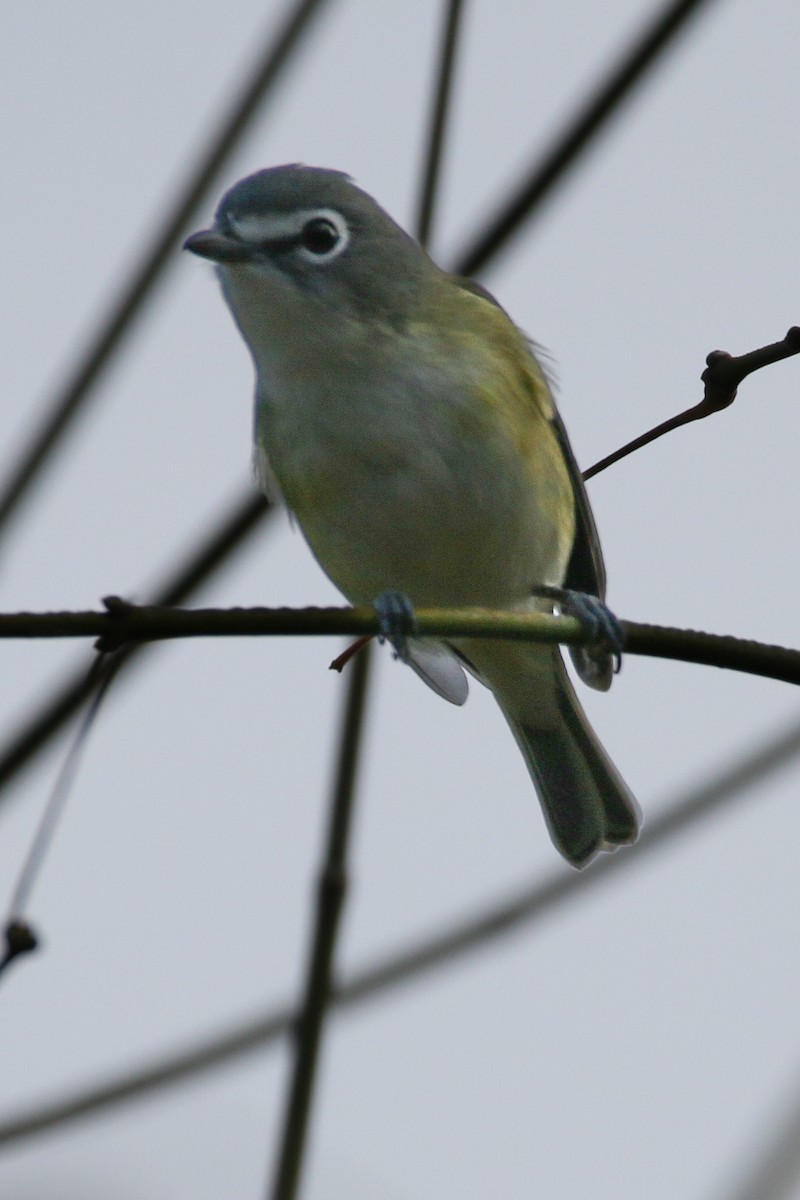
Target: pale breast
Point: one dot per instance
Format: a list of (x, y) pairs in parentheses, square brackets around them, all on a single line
[(405, 477)]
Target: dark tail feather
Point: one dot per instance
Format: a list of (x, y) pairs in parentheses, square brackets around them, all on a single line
[(586, 804)]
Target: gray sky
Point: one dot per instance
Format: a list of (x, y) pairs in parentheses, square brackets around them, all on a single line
[(637, 1041)]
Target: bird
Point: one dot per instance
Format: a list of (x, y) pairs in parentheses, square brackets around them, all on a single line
[(406, 422)]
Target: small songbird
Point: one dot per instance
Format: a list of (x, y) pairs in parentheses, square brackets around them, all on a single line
[(405, 421)]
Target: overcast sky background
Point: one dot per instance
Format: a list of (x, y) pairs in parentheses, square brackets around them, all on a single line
[(639, 1041)]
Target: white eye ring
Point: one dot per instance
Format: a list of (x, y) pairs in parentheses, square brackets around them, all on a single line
[(322, 226), (287, 229)]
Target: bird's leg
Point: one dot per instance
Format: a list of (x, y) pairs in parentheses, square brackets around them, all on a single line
[(396, 620)]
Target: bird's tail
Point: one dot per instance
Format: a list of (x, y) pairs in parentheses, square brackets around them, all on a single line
[(587, 805)]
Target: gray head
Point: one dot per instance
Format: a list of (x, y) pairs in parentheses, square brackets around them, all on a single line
[(312, 230)]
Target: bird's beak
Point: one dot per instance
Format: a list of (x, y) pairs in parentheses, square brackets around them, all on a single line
[(209, 243)]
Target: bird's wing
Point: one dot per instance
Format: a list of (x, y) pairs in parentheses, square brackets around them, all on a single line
[(586, 569)]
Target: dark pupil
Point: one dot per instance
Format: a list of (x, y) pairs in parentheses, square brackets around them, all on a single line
[(319, 236)]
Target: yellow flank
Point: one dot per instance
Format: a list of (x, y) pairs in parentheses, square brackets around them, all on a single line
[(477, 333)]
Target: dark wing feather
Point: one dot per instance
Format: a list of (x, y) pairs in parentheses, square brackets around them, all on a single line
[(586, 571)]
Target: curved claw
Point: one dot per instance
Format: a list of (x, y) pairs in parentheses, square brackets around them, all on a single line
[(396, 619), (603, 628)]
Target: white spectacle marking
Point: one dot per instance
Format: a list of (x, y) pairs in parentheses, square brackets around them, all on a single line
[(258, 228), (268, 227)]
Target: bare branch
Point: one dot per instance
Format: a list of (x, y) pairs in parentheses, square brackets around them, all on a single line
[(604, 102), (330, 901), (722, 377), (507, 915), (443, 92), (129, 623)]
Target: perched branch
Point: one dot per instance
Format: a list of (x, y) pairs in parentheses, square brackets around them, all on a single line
[(722, 377), (125, 623)]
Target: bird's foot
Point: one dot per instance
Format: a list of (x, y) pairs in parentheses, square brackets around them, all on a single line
[(602, 627), (396, 621)]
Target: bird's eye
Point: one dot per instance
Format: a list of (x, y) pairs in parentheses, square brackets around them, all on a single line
[(319, 236)]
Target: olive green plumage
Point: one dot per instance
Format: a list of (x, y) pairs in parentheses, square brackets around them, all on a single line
[(407, 424)]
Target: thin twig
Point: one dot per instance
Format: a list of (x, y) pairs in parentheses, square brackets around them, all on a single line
[(76, 391), (593, 116), (19, 937), (307, 1029), (722, 377), (101, 681), (511, 914), (438, 124)]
